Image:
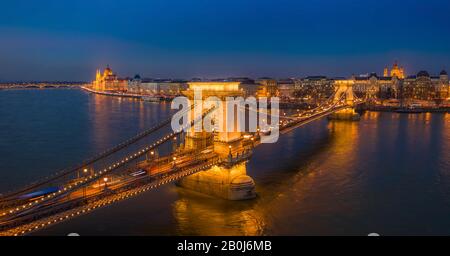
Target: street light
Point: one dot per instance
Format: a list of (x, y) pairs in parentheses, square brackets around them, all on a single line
[(106, 181), (174, 161), (85, 170)]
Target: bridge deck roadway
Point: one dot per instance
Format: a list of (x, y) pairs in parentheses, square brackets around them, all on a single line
[(100, 199), (83, 199)]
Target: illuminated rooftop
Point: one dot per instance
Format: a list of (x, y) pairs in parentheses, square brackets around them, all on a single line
[(214, 86)]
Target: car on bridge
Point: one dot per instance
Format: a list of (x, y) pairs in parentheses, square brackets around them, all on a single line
[(39, 194)]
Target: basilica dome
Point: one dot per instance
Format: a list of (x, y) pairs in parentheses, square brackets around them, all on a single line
[(423, 74)]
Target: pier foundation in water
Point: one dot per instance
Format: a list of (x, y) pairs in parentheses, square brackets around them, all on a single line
[(228, 183), (348, 114)]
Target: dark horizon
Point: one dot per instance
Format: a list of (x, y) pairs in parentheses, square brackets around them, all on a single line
[(67, 41)]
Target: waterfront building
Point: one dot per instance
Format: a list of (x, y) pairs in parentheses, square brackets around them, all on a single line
[(171, 88), (149, 87), (286, 89), (268, 87), (425, 87), (418, 87), (386, 87), (248, 86), (168, 88), (314, 88), (422, 87), (108, 81), (373, 86), (444, 86), (134, 85)]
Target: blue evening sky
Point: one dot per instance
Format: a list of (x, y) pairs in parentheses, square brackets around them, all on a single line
[(68, 40)]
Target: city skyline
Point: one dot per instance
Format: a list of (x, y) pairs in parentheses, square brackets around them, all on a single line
[(229, 78), (54, 41), (204, 122)]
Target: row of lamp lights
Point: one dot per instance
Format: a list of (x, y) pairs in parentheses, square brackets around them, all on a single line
[(116, 165), (128, 194)]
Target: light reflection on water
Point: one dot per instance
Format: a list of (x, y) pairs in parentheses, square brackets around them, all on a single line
[(200, 215), (388, 173)]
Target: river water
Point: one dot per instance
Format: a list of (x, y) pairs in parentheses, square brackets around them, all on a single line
[(388, 173)]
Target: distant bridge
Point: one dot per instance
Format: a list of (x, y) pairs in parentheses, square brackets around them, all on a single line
[(39, 85)]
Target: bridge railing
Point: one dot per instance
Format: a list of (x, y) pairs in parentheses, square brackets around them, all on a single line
[(78, 206), (100, 156), (97, 175)]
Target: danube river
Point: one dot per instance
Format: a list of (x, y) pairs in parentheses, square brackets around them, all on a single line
[(388, 173)]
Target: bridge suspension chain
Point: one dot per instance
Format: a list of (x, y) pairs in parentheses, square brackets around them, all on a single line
[(94, 177), (42, 221), (90, 161), (293, 117)]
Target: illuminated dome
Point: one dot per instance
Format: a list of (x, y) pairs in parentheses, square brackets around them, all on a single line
[(108, 71), (423, 74)]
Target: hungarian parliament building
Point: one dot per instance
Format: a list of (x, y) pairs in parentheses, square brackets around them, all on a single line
[(108, 81)]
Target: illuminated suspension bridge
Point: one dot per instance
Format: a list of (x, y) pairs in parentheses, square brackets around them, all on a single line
[(84, 188)]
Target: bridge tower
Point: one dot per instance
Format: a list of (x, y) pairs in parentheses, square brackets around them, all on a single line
[(221, 140), (345, 96), (230, 180)]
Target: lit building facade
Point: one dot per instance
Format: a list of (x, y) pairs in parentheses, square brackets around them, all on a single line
[(248, 87), (268, 87), (286, 89), (426, 87), (420, 87), (156, 87), (314, 88), (373, 86), (108, 81), (444, 86)]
